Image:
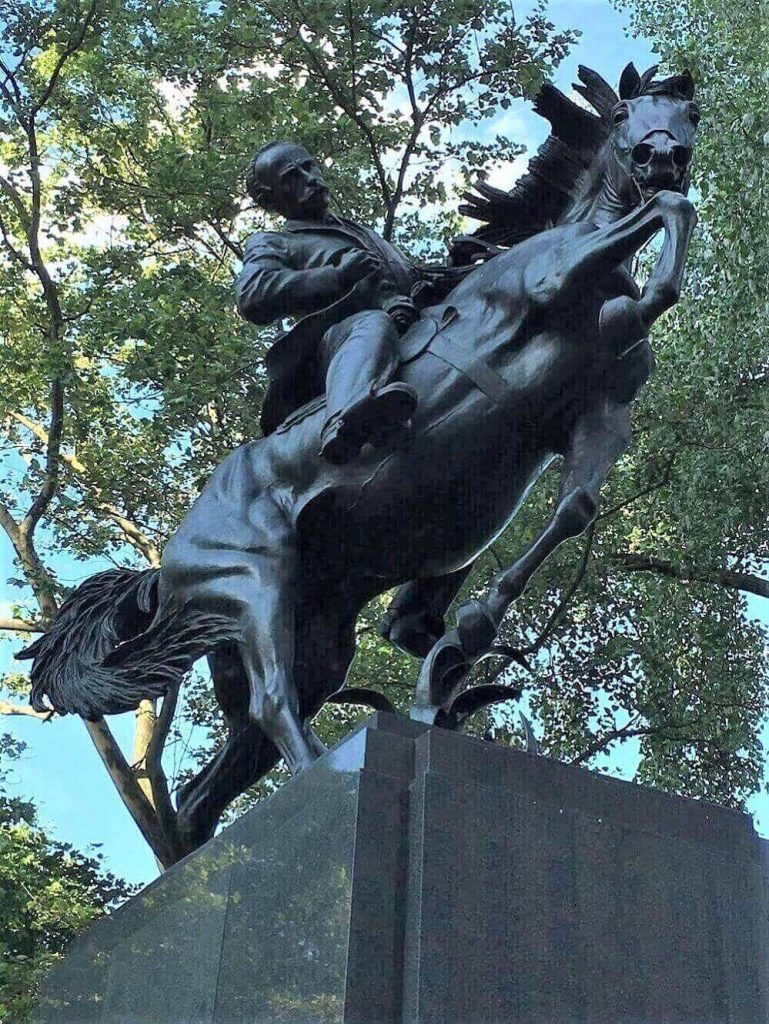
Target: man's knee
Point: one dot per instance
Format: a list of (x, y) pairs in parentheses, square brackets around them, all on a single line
[(375, 321), (371, 325)]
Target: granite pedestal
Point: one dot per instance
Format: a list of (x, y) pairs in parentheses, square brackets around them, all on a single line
[(420, 877)]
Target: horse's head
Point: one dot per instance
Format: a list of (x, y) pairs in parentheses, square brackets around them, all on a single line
[(652, 134)]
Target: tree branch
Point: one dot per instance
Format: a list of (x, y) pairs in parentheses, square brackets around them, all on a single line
[(12, 248), (662, 482), (127, 786), (744, 581), (568, 594), (21, 626), (18, 203), (132, 532), (6, 708), (234, 247), (51, 474), (154, 766), (72, 47), (37, 575), (10, 78), (625, 732), (343, 101)]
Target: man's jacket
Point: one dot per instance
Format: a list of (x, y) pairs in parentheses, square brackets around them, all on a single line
[(293, 273)]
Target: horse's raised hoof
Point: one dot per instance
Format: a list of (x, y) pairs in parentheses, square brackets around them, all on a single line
[(444, 669), (476, 628)]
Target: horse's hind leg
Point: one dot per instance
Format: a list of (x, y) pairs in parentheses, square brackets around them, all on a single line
[(595, 445), (327, 646), (246, 756), (414, 620), (267, 601)]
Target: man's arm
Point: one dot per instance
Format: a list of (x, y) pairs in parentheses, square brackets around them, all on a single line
[(268, 288)]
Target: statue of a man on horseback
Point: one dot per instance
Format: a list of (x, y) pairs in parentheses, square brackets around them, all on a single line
[(534, 354)]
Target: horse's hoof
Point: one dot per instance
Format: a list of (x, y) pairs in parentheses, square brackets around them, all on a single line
[(443, 670), (476, 628), (413, 633)]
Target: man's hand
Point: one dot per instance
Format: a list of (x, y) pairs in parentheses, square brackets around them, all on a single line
[(356, 265), (402, 311)]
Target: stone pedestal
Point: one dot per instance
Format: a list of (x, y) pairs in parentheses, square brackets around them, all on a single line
[(413, 876)]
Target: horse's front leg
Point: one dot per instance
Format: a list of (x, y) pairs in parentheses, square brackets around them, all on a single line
[(595, 445), (555, 275), (624, 321)]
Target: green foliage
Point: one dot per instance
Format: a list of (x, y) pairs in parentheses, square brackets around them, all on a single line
[(143, 146), (49, 893)]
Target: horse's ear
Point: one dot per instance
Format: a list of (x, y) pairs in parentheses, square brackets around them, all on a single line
[(629, 83), (687, 84)]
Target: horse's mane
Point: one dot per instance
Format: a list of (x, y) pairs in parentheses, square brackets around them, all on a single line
[(570, 160)]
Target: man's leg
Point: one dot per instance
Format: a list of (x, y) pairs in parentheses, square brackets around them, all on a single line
[(359, 358)]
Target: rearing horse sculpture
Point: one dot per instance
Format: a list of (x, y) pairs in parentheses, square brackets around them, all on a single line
[(538, 352)]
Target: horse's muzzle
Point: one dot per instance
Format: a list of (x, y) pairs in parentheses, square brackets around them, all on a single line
[(660, 162)]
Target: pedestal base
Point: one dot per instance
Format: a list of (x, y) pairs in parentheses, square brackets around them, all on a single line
[(413, 876)]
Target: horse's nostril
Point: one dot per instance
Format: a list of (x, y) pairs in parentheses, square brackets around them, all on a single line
[(642, 154), (681, 156)]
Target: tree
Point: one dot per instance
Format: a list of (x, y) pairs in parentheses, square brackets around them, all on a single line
[(49, 893), (124, 133)]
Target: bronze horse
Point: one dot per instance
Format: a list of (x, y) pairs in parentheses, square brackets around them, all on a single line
[(538, 352)]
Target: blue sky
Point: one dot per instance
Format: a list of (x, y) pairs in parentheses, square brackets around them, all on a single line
[(60, 770)]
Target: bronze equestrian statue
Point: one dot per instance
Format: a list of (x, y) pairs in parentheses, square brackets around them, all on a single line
[(538, 352)]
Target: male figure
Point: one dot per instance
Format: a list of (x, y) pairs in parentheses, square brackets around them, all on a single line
[(351, 288)]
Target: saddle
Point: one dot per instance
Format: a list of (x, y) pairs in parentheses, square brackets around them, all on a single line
[(429, 334)]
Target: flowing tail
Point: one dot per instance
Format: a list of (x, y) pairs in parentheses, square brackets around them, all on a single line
[(113, 644)]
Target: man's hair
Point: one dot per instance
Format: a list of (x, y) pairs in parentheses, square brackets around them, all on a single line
[(259, 191)]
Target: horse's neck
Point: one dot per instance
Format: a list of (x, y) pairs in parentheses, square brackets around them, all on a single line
[(607, 207), (606, 196)]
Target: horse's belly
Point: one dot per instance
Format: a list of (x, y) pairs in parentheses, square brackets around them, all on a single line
[(431, 506), (438, 521)]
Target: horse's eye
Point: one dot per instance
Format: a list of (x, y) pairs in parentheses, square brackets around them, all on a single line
[(620, 114), (694, 116)]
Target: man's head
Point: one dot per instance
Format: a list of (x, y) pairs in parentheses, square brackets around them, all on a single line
[(284, 178)]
